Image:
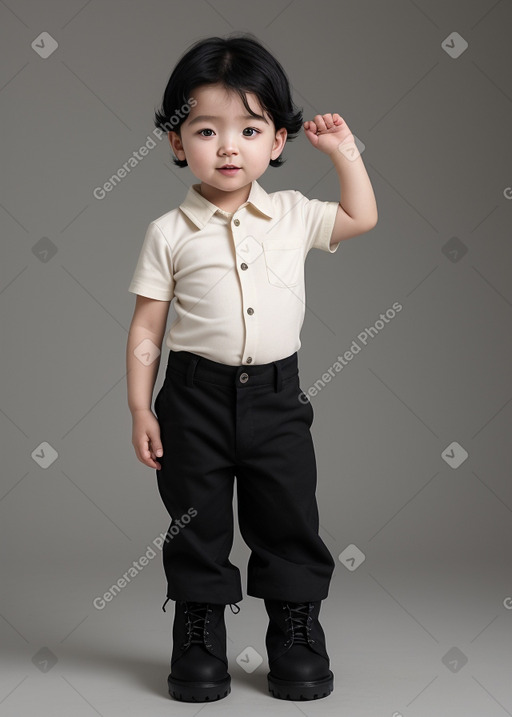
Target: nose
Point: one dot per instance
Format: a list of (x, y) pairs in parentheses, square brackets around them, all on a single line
[(228, 146)]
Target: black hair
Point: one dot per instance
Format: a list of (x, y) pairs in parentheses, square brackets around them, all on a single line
[(240, 63)]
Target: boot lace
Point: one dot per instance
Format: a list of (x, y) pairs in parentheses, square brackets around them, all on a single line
[(197, 619), (300, 622)]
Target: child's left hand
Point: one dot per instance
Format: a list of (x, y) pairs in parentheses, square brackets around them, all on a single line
[(326, 132)]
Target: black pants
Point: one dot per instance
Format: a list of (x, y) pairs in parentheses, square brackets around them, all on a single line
[(217, 422)]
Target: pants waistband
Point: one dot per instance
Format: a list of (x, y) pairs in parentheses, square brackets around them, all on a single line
[(193, 366)]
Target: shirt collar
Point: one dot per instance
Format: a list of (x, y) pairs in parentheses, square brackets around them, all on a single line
[(200, 210)]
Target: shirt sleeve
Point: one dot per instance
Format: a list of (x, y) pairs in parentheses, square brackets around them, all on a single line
[(318, 217), (153, 276)]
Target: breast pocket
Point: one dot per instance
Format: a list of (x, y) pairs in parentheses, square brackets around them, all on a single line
[(284, 262)]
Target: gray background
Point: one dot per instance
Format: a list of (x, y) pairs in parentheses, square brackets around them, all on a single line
[(434, 589)]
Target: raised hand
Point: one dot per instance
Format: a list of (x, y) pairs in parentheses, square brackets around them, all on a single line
[(327, 132)]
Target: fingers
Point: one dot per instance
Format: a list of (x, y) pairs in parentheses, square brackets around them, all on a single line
[(323, 123), (148, 450), (155, 448), (150, 463)]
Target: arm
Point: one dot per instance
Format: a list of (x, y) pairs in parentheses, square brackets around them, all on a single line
[(148, 322), (357, 211)]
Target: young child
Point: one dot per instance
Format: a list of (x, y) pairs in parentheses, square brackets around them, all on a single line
[(232, 257)]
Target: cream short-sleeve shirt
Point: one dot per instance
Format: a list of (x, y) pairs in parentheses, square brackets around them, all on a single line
[(237, 279)]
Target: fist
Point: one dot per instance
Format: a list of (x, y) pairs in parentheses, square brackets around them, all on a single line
[(326, 132)]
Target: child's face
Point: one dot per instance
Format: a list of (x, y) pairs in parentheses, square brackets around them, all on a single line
[(219, 131)]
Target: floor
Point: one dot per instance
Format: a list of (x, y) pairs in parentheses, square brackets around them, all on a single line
[(401, 643)]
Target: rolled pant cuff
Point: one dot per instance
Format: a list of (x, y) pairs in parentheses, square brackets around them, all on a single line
[(213, 598), (289, 595)]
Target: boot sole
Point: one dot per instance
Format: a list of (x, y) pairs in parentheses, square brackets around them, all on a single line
[(185, 691), (297, 691)]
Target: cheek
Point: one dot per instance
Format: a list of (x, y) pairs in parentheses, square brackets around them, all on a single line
[(263, 153), (197, 153)]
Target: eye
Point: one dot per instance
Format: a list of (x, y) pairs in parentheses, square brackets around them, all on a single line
[(251, 129), (205, 130)]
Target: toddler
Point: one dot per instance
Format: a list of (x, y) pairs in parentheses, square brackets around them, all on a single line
[(232, 257)]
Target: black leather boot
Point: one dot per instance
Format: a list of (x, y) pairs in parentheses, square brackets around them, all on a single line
[(298, 660), (199, 661)]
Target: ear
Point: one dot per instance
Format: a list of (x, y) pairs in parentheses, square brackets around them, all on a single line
[(279, 142), (176, 144)]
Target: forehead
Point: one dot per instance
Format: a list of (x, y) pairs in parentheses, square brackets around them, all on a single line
[(217, 99)]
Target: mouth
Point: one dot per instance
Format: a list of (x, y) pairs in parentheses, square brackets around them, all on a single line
[(229, 169)]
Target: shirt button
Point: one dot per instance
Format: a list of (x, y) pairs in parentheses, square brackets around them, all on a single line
[(249, 359), (244, 377), (244, 266), (250, 311), (236, 222)]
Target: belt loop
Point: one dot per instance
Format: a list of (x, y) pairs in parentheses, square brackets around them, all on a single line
[(191, 370), (278, 377)]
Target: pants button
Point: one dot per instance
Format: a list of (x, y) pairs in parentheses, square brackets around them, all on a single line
[(244, 377)]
